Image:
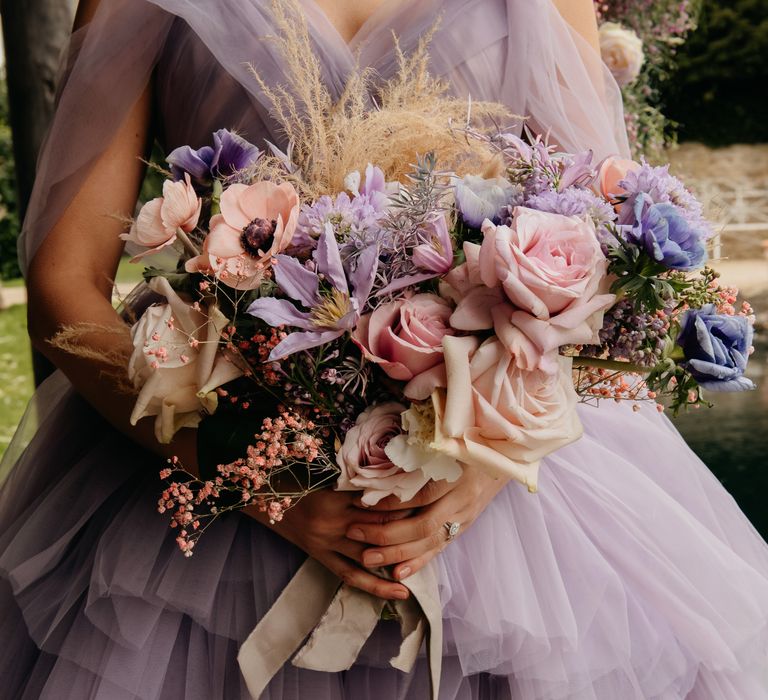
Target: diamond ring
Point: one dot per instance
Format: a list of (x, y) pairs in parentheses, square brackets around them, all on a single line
[(452, 529)]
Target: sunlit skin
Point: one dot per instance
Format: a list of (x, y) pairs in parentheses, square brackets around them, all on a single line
[(70, 283)]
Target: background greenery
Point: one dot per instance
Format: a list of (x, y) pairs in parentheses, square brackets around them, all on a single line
[(718, 91), (9, 218)]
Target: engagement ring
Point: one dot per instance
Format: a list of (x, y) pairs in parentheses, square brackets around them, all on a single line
[(452, 529)]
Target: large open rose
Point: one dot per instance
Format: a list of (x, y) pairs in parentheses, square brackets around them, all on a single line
[(552, 270), (365, 465), (175, 364), (405, 337), (498, 416)]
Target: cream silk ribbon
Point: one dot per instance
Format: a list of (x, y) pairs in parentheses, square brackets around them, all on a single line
[(338, 619)]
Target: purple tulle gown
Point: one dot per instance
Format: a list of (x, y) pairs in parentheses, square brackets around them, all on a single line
[(631, 575)]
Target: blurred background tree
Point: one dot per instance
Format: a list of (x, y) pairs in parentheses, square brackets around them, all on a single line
[(9, 209), (718, 94)]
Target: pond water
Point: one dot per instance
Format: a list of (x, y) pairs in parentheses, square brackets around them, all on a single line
[(732, 439)]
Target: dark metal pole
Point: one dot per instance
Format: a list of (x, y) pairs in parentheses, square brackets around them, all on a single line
[(35, 33)]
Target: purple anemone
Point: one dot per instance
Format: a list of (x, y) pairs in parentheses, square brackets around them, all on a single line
[(333, 298), (229, 154)]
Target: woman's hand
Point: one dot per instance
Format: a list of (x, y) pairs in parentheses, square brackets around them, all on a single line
[(410, 542), (318, 524)]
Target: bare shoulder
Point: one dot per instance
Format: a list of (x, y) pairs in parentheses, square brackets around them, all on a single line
[(580, 14)]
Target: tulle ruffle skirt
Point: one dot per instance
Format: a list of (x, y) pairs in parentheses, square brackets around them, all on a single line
[(631, 575)]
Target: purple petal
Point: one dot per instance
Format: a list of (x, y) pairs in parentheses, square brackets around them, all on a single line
[(232, 153), (328, 259), (186, 160), (407, 281), (364, 274), (279, 312), (296, 281), (374, 180), (296, 342)]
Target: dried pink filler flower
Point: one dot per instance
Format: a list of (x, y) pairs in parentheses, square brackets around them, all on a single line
[(284, 442)]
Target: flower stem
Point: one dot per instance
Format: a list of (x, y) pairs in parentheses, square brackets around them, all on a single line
[(189, 246), (616, 365)]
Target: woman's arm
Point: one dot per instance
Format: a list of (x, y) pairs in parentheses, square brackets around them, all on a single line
[(580, 14), (70, 283)]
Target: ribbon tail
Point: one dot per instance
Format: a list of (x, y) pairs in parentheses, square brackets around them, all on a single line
[(282, 630), (420, 616), (343, 630)]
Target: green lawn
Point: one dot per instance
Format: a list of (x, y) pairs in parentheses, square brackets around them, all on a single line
[(15, 370)]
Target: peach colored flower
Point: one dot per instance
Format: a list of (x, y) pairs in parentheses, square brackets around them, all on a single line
[(552, 270), (498, 416), (404, 337), (176, 364), (364, 463), (156, 225), (612, 171), (256, 223)]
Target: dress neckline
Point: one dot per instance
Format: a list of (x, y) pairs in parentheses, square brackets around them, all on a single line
[(373, 21)]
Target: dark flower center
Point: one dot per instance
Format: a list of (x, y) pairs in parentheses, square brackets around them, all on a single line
[(257, 237)]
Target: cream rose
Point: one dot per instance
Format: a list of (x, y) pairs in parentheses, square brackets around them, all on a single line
[(612, 171), (364, 462), (176, 365), (622, 51), (498, 416)]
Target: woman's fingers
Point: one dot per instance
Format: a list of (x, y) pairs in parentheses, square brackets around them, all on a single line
[(384, 556), (410, 567), (418, 527), (353, 575)]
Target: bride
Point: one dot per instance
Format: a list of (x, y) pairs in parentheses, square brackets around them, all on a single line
[(631, 575)]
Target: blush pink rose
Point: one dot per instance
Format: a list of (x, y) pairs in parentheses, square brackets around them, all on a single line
[(157, 223), (364, 463), (498, 416), (256, 223), (550, 267), (612, 171), (405, 337)]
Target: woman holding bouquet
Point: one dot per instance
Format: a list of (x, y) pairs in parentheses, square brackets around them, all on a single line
[(630, 574)]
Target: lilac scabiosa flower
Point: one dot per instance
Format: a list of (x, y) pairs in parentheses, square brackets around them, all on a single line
[(716, 348), (664, 232), (574, 201), (229, 154), (334, 299), (479, 198), (657, 183), (351, 217)]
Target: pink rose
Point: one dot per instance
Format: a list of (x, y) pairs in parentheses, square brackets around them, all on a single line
[(156, 225), (405, 337), (256, 223), (364, 463), (499, 416), (612, 171), (552, 270)]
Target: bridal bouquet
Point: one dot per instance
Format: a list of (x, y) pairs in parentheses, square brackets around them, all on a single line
[(401, 328), (408, 289)]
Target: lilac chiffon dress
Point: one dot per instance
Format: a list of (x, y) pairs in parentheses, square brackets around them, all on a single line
[(631, 575)]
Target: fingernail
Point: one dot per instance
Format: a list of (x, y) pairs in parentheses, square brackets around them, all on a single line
[(401, 595), (373, 558), (404, 572), (356, 534)]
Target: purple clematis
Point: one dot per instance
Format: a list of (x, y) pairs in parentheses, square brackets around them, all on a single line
[(229, 154), (334, 298)]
